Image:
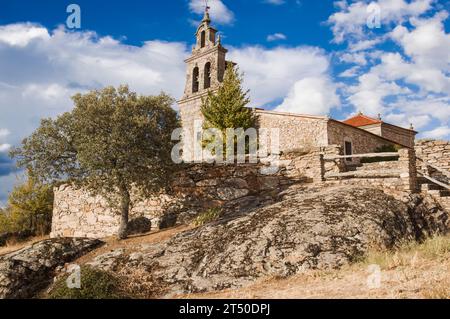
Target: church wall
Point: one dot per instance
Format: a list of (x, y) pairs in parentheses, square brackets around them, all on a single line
[(295, 131), (362, 142), (403, 136)]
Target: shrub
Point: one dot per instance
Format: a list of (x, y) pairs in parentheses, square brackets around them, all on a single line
[(29, 211), (95, 284), (208, 216)]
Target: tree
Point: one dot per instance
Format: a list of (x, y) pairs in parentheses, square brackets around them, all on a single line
[(227, 108), (30, 207), (113, 143)]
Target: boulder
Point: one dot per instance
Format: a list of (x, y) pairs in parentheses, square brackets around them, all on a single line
[(30, 269), (307, 229), (140, 225)]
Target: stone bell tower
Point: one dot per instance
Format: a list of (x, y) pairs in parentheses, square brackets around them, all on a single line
[(205, 71)]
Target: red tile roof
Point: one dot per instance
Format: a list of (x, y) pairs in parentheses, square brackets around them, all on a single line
[(361, 120)]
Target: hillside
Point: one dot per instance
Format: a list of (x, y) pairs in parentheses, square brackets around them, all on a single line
[(309, 244)]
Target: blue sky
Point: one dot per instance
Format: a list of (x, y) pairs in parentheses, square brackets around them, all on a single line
[(303, 56)]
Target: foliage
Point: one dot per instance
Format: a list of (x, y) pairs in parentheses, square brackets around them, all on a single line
[(383, 149), (208, 216), (112, 143), (29, 209), (227, 108), (95, 284)]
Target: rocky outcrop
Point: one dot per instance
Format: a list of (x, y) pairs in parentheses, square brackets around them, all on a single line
[(308, 229), (24, 272)]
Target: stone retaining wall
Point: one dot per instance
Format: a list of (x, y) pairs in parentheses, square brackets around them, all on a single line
[(436, 153), (194, 189)]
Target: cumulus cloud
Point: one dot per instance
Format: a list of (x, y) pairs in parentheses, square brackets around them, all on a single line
[(439, 132), (276, 74), (350, 21), (406, 81), (276, 37), (39, 75), (219, 11), (311, 96), (21, 35)]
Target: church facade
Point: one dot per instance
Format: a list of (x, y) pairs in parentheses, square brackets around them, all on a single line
[(205, 71)]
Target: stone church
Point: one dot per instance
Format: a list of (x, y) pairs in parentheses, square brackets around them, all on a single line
[(205, 71), (201, 186)]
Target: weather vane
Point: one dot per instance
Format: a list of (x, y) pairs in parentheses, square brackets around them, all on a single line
[(206, 6)]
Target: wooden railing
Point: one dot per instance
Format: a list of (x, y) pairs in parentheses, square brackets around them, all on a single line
[(363, 174), (369, 155)]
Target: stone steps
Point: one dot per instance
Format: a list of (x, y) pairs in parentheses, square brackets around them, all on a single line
[(439, 193)]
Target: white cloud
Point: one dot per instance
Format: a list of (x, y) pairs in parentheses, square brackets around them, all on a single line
[(349, 73), (311, 96), (22, 34), (39, 76), (219, 12), (350, 22), (271, 74), (427, 44), (369, 94), (276, 37), (407, 82), (439, 132), (4, 148)]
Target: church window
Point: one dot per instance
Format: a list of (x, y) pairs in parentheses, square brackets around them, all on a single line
[(203, 39), (195, 80), (207, 75)]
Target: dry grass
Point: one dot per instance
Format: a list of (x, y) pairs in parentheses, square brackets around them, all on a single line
[(14, 245), (412, 271)]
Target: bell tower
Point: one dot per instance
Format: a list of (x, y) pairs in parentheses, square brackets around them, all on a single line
[(205, 71)]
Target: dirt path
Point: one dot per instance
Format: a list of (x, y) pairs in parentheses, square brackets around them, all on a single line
[(133, 243)]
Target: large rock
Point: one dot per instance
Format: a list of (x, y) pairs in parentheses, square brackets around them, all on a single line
[(307, 229), (26, 271)]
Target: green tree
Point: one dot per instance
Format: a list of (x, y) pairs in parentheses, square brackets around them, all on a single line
[(227, 108), (30, 208), (113, 143)]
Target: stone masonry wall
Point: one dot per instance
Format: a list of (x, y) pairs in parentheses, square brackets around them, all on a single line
[(436, 153), (362, 142), (295, 131), (194, 189), (400, 135)]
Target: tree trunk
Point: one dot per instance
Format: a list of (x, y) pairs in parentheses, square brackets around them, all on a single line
[(124, 211)]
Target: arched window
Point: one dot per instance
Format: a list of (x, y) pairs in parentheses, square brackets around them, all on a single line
[(203, 39), (195, 83), (207, 75)]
